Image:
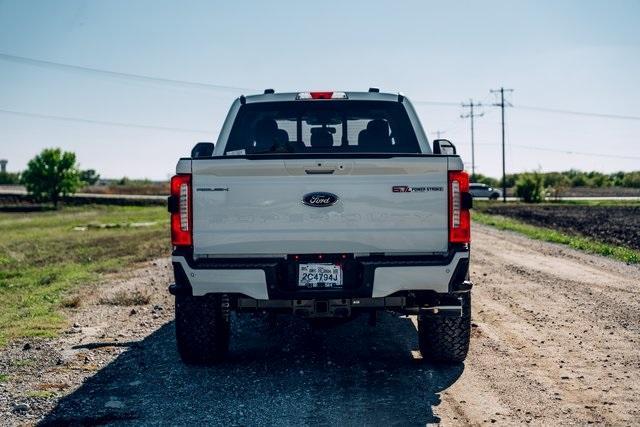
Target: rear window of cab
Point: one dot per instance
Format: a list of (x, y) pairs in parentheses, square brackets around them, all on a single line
[(325, 126)]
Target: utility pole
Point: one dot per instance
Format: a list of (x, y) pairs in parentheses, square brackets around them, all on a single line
[(502, 105), (471, 115)]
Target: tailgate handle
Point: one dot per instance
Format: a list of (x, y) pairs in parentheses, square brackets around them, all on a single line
[(319, 171)]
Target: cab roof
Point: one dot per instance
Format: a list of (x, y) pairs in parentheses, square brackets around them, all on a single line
[(295, 96)]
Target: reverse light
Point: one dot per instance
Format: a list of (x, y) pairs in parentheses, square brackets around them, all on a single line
[(321, 95), (459, 205), (180, 208)]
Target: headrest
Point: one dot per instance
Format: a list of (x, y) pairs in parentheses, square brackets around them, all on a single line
[(378, 128), (282, 136), (265, 126), (363, 137), (321, 138)]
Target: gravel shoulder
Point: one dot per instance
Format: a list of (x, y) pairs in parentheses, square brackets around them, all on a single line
[(555, 340)]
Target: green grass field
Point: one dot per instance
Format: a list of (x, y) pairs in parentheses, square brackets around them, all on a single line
[(549, 235), (43, 258)]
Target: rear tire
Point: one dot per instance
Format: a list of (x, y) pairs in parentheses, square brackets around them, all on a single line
[(494, 196), (446, 339), (202, 331)]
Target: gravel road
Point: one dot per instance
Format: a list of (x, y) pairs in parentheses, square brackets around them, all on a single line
[(556, 339)]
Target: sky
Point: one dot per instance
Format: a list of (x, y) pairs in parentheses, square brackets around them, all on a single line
[(578, 55)]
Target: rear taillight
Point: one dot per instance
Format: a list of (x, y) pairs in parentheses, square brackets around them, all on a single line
[(180, 208), (459, 205)]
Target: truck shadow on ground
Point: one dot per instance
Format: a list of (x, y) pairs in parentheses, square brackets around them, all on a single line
[(290, 374)]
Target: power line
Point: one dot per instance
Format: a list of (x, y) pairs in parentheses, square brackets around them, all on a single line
[(581, 153), (439, 103), (502, 105), (211, 86), (471, 116), (117, 74), (541, 109), (102, 122), (577, 113), (554, 150), (452, 125)]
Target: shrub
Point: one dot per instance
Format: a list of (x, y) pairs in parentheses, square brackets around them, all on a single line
[(89, 176), (529, 187), (557, 186), (631, 179), (555, 181), (509, 179)]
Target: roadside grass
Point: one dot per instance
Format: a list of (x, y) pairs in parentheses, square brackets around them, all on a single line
[(4, 378), (593, 202), (127, 298), (480, 204), (42, 394), (20, 363), (549, 235), (45, 255), (71, 301)]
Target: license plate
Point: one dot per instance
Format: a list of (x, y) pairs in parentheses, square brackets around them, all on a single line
[(317, 276)]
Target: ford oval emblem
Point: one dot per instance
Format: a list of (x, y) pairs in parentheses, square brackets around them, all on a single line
[(319, 199)]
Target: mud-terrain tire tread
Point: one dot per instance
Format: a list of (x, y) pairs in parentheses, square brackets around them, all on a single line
[(445, 339), (202, 332)]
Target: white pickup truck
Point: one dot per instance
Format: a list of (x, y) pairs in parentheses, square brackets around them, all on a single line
[(324, 205)]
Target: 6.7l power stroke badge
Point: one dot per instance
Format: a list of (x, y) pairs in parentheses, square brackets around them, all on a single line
[(407, 189)]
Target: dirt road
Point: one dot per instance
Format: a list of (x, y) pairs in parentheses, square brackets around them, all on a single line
[(556, 339)]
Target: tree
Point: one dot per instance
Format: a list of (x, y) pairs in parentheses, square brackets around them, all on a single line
[(52, 174), (9, 178), (89, 176)]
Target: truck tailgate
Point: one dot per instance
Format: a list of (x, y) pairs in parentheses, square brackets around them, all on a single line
[(255, 207)]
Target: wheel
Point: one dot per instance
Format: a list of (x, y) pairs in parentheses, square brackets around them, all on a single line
[(494, 196), (446, 339), (202, 332)]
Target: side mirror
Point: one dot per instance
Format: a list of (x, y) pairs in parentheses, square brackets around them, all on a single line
[(202, 149), (444, 146)]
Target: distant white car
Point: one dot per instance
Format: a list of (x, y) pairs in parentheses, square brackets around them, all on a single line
[(483, 190)]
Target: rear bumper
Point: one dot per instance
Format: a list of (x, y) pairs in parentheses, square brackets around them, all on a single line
[(364, 277), (390, 278)]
